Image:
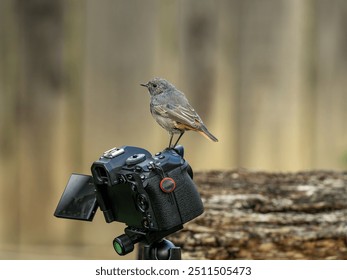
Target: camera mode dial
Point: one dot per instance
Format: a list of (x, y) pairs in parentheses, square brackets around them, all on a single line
[(135, 159)]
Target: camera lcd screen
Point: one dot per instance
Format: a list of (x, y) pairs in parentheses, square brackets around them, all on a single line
[(78, 200)]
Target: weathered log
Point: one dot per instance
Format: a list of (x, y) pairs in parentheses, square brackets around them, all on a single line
[(259, 215)]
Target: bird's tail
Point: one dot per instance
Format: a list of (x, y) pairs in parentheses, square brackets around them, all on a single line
[(204, 132)]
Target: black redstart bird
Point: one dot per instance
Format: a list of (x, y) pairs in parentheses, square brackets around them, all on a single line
[(172, 111)]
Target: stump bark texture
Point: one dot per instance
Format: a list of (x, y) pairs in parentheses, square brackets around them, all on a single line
[(259, 215)]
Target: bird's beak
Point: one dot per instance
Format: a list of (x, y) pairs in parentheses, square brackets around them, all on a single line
[(144, 85)]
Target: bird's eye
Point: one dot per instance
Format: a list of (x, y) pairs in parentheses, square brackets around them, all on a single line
[(154, 85)]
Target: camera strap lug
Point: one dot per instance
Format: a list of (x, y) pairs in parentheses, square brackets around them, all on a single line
[(157, 169)]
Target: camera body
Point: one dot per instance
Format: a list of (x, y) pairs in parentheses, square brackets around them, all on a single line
[(146, 192), (153, 195)]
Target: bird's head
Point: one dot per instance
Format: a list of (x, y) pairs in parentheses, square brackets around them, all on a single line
[(157, 86)]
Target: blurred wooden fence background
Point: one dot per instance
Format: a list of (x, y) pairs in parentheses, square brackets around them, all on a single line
[(268, 78)]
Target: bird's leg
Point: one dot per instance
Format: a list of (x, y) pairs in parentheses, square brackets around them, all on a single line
[(178, 139), (171, 135)]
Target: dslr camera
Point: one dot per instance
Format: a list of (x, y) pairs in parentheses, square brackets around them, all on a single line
[(153, 195)]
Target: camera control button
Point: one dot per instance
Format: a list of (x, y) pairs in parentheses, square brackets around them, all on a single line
[(151, 165), (142, 203), (121, 179), (161, 157), (138, 168), (147, 223)]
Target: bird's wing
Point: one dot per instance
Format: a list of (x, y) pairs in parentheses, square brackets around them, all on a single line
[(185, 115), (159, 110)]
